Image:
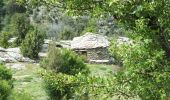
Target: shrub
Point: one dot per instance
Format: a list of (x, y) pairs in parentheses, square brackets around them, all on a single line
[(144, 69), (5, 89), (60, 86), (4, 37), (20, 26), (5, 82), (32, 44), (64, 61), (5, 73)]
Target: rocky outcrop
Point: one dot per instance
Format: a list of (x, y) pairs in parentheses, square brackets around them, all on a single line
[(12, 55)]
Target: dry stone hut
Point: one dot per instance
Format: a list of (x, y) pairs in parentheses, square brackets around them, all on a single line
[(93, 46)]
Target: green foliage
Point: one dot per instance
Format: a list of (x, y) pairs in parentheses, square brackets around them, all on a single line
[(66, 34), (32, 44), (5, 73), (145, 63), (20, 95), (91, 26), (5, 82), (5, 89), (2, 14), (20, 25), (79, 87), (12, 7), (64, 61), (144, 69), (4, 37)]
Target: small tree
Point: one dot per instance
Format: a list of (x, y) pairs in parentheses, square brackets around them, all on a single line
[(4, 39), (32, 44), (20, 25), (5, 82)]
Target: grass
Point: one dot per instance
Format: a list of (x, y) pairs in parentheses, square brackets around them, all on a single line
[(28, 85), (102, 69)]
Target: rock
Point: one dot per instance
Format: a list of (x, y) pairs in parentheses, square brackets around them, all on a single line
[(2, 49), (15, 50), (44, 48), (12, 55), (42, 54), (12, 40), (4, 57), (47, 41)]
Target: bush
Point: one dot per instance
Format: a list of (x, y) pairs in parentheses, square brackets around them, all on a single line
[(32, 44), (5, 73), (5, 89), (144, 69), (5, 82), (4, 37), (60, 86), (64, 61), (20, 25)]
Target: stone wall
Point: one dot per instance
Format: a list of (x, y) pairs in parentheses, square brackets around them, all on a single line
[(97, 54)]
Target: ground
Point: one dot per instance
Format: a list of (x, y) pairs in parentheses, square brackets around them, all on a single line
[(102, 69), (28, 84)]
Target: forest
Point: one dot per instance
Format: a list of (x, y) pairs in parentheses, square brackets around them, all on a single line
[(84, 49)]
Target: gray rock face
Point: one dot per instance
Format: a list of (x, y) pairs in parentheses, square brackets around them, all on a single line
[(12, 55), (2, 49)]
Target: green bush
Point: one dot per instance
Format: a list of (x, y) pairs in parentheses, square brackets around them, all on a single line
[(5, 82), (4, 37), (5, 73), (64, 61), (20, 25), (32, 44), (60, 86), (5, 89), (144, 69)]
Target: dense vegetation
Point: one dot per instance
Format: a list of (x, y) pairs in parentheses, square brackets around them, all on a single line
[(64, 61), (62, 68), (145, 62), (31, 45), (5, 82)]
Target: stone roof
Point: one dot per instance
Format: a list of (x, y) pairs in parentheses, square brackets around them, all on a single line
[(89, 41)]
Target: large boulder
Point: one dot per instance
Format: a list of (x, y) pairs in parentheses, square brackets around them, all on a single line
[(2, 49), (12, 55)]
